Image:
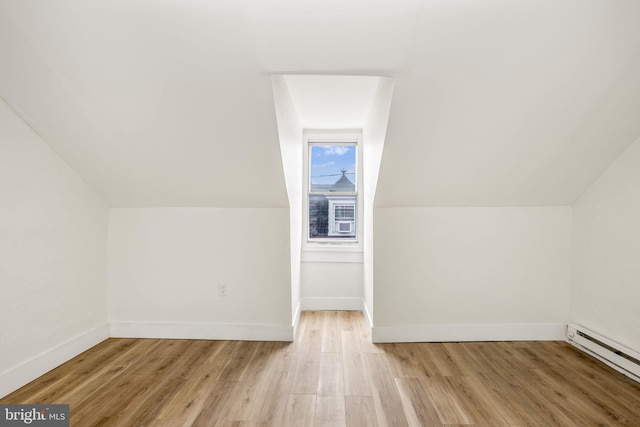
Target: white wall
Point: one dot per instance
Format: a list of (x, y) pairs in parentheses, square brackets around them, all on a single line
[(53, 255), (165, 265), (290, 135), (605, 292), (332, 285), (471, 273), (373, 134)]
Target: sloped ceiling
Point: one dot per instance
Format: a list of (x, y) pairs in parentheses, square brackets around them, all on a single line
[(332, 102), (512, 103), (169, 103), (154, 103)]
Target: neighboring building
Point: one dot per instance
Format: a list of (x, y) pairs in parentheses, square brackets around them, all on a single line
[(344, 184), (333, 216)]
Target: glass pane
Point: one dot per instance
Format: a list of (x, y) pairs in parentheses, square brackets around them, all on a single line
[(318, 217), (332, 216), (332, 168)]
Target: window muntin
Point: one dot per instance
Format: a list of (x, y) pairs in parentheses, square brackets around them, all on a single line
[(345, 212), (332, 196)]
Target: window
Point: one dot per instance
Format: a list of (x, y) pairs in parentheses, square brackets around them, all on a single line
[(332, 191)]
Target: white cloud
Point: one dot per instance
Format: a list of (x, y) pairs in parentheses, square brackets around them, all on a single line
[(335, 150), (324, 165)]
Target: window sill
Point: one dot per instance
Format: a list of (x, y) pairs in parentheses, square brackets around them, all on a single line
[(326, 253)]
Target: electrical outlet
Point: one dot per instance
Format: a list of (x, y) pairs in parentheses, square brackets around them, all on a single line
[(222, 290)]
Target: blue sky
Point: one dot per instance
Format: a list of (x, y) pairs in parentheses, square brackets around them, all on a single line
[(329, 160)]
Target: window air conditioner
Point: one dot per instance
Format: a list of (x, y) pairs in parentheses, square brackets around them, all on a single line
[(344, 226)]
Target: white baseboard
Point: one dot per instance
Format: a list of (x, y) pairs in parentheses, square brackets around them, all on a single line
[(309, 303), (470, 332), (202, 331), (27, 371), (296, 317), (367, 316)]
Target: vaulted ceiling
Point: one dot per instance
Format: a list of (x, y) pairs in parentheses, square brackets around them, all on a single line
[(169, 103)]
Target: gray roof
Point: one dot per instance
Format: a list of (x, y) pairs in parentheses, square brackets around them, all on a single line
[(343, 184)]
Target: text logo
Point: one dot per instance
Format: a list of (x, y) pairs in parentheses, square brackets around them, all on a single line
[(34, 415)]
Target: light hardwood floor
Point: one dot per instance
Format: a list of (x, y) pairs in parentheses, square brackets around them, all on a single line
[(332, 375)]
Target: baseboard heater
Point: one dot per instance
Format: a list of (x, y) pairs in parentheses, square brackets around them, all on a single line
[(619, 357)]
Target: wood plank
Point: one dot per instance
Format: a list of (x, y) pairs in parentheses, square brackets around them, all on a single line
[(417, 407), (356, 375), (409, 361), (278, 385), (442, 359), (84, 408), (307, 371), (216, 402), (360, 411), (300, 410), (330, 411), (351, 320), (595, 379), (250, 393), (331, 380), (314, 321), (331, 332), (475, 403), (386, 397), (144, 410), (187, 403), (233, 383), (238, 362), (449, 407), (229, 423)]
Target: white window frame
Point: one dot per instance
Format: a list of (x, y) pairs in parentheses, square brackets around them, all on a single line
[(323, 137)]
